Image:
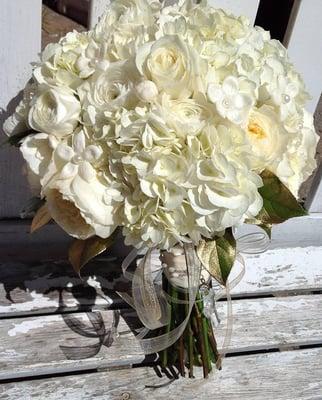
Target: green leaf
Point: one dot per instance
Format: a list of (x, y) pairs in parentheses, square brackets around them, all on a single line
[(82, 251), (218, 255), (279, 203)]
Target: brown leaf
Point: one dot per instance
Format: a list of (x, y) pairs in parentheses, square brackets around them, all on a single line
[(82, 251), (41, 218)]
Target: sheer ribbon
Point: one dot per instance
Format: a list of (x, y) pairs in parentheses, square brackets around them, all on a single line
[(152, 304)]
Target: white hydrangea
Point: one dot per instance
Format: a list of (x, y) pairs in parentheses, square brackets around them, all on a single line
[(160, 121)]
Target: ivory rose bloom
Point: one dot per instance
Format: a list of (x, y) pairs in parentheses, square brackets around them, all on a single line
[(160, 122), (267, 136), (55, 110), (171, 64)]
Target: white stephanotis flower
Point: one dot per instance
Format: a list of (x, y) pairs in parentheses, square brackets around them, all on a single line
[(233, 99), (55, 110), (78, 157)]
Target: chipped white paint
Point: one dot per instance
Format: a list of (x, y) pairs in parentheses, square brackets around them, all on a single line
[(281, 270), (37, 341), (259, 324), (30, 325), (275, 376), (38, 302)]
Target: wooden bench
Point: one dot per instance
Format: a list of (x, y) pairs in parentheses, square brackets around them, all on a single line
[(49, 317)]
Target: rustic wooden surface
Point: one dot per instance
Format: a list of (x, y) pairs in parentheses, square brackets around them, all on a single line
[(64, 343), (291, 375), (50, 287), (31, 346), (55, 25)]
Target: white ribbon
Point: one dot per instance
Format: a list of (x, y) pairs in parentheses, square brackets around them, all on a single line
[(151, 302)]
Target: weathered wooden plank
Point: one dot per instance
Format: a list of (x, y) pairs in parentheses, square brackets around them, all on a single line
[(31, 346), (259, 324), (50, 287), (20, 33), (55, 25), (307, 58), (16, 243), (55, 287), (273, 376), (271, 323), (281, 270)]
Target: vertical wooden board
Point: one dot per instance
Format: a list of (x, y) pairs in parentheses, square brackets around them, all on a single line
[(97, 7), (305, 47), (244, 7), (20, 33)]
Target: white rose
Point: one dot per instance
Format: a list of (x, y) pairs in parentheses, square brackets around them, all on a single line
[(172, 65), (67, 215), (185, 116), (55, 111), (37, 151), (267, 137), (108, 90)]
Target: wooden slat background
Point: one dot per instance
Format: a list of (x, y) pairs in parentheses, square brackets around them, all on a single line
[(292, 375)]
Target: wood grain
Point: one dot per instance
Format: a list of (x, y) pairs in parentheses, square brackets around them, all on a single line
[(32, 346), (49, 287), (55, 287), (273, 376)]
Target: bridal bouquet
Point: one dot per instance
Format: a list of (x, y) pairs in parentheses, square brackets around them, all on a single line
[(174, 124)]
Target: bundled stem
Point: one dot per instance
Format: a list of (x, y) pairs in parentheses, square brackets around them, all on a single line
[(197, 346)]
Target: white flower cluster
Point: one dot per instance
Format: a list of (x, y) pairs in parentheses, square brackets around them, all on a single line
[(160, 121)]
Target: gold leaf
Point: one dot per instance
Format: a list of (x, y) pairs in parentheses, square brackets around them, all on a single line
[(41, 218), (218, 256), (279, 204), (82, 251)]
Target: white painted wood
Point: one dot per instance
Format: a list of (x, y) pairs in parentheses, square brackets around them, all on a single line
[(49, 287), (296, 232), (20, 33), (97, 7), (292, 375), (259, 324), (31, 346), (244, 7), (314, 199), (281, 270), (272, 323), (305, 47)]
